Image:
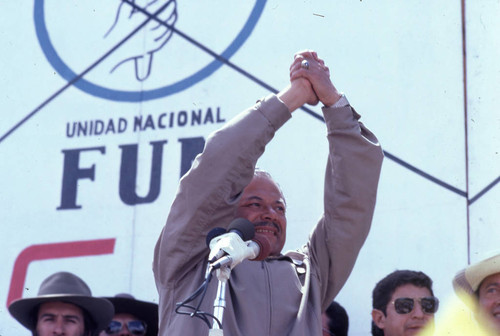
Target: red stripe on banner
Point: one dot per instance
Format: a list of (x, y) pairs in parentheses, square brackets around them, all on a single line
[(53, 251)]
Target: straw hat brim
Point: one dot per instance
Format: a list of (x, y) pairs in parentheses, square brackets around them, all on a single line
[(470, 278)]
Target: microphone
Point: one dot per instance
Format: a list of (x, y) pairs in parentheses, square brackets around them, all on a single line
[(215, 232), (264, 247), (252, 252), (241, 249), (257, 249), (240, 226), (243, 228)]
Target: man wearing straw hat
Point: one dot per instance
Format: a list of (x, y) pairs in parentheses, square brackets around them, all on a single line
[(132, 317), (64, 306), (482, 282)]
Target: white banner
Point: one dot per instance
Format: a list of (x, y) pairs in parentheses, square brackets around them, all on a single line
[(103, 110)]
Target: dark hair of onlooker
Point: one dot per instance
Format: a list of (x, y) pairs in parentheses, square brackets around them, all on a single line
[(386, 287), (88, 323), (338, 320)]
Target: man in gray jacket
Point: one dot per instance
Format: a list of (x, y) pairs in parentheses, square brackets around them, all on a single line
[(284, 294)]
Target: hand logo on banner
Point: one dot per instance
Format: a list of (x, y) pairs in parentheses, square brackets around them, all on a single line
[(135, 33), (141, 48)]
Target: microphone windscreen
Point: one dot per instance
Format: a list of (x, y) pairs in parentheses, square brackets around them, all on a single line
[(215, 232), (245, 228), (264, 245)]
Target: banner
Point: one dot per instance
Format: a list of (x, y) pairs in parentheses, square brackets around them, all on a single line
[(106, 104)]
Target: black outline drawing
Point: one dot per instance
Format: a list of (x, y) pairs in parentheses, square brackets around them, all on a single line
[(164, 31)]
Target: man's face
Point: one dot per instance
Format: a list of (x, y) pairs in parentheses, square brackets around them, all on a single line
[(264, 206), (395, 324), (123, 319), (489, 300), (59, 318)]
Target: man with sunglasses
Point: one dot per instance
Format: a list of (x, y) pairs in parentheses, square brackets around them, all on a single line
[(132, 317), (403, 304)]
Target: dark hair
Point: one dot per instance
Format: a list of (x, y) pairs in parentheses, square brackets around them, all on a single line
[(338, 320), (386, 287), (88, 323)]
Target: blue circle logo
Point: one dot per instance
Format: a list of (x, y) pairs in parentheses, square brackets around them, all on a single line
[(97, 90)]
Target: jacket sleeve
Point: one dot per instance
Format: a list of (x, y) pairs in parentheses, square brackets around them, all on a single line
[(351, 180), (208, 194)]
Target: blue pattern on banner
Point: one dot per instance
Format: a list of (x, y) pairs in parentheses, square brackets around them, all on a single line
[(134, 96)]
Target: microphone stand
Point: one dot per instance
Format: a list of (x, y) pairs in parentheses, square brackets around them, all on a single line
[(223, 275)]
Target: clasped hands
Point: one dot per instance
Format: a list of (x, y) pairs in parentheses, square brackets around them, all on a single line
[(312, 82)]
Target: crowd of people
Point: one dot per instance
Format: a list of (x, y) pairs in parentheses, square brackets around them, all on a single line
[(403, 304), (65, 306), (274, 293)]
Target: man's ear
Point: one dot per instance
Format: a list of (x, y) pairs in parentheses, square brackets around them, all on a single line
[(378, 318)]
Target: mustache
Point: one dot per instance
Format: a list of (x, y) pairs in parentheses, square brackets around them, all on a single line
[(267, 224)]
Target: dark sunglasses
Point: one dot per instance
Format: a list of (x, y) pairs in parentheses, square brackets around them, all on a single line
[(429, 305), (134, 327)]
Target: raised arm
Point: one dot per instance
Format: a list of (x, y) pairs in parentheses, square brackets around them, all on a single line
[(351, 180), (209, 193)]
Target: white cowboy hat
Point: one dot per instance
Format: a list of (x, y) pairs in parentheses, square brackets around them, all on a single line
[(470, 278)]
